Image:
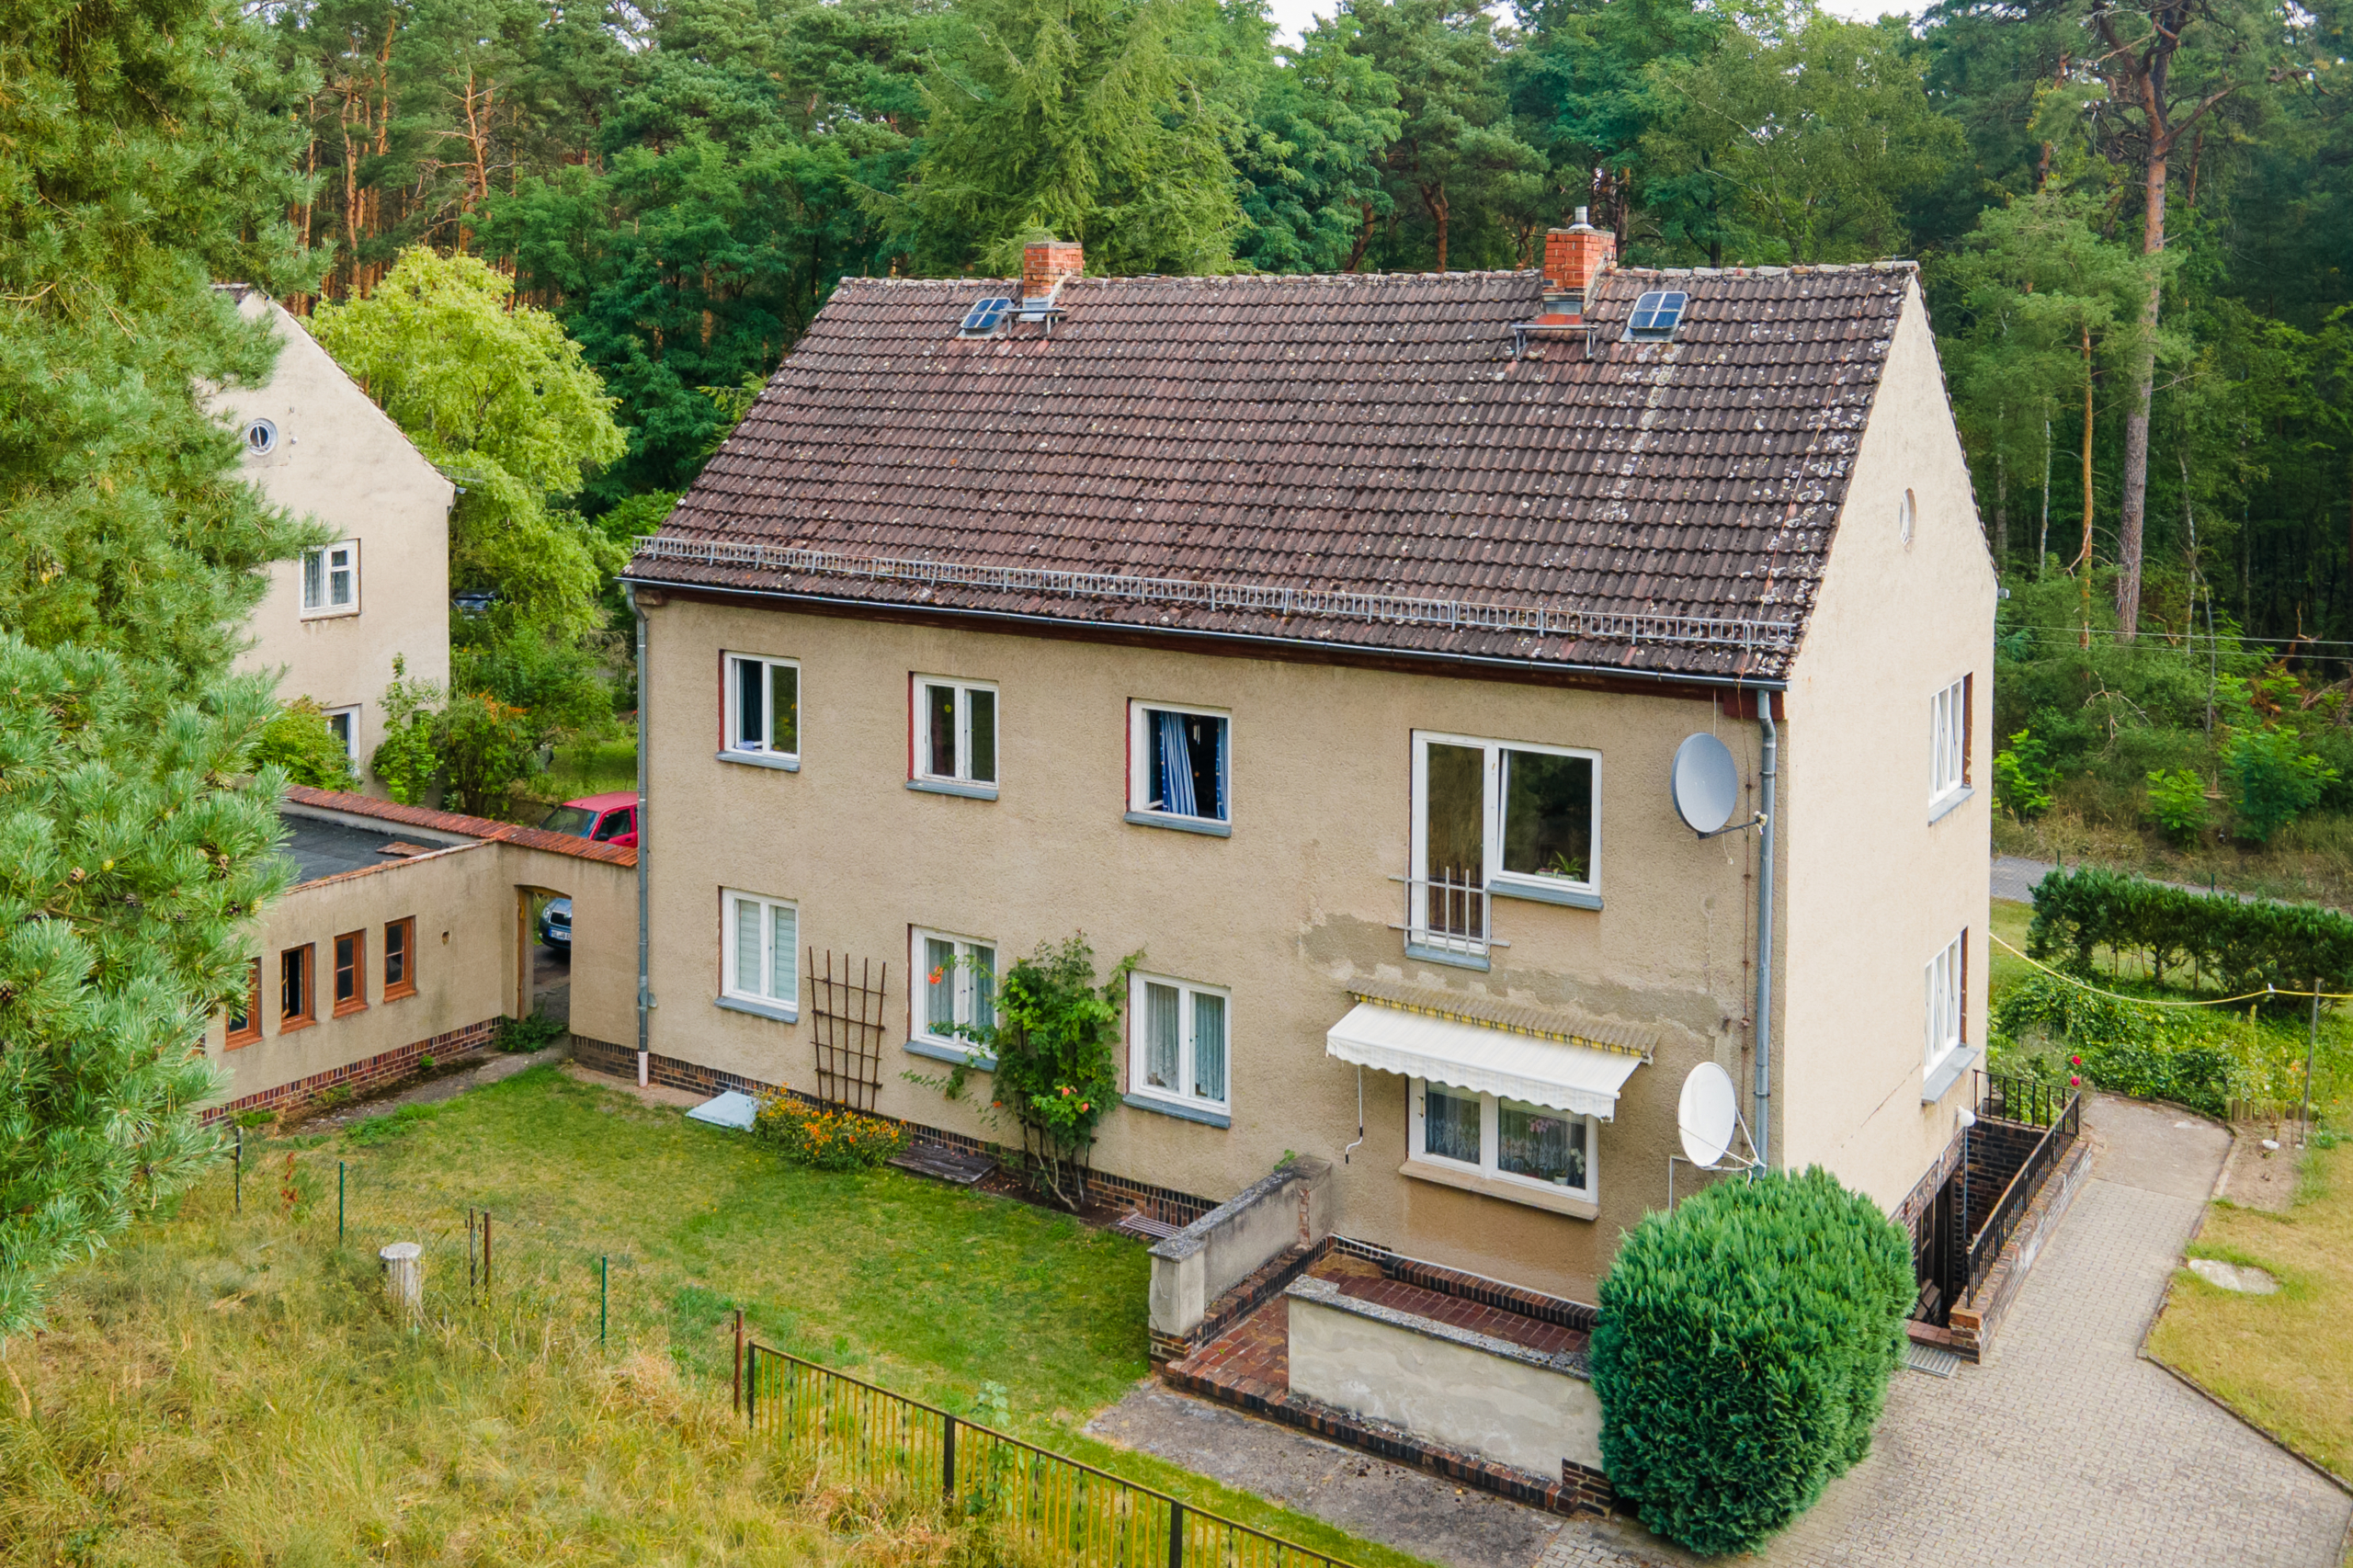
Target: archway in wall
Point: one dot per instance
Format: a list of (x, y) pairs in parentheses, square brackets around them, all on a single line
[(544, 954)]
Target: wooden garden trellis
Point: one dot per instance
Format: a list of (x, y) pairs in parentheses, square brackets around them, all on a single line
[(847, 1020)]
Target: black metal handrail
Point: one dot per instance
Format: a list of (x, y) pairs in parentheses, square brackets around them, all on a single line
[(1071, 1511), (2064, 1125), (2032, 1102)]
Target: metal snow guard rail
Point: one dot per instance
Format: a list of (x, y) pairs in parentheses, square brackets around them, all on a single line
[(1051, 1509), (1583, 625)]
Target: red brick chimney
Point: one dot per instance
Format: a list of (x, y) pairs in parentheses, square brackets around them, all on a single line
[(1046, 263), (1573, 257)]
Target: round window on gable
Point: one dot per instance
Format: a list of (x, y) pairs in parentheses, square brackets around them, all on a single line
[(1906, 512), (261, 438)]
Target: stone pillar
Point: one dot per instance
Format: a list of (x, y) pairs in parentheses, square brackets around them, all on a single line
[(404, 1276)]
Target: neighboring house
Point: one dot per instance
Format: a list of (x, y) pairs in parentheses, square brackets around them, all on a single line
[(408, 934), (334, 621), (1328, 641)]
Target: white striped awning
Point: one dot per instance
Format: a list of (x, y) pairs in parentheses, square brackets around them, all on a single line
[(1583, 1079)]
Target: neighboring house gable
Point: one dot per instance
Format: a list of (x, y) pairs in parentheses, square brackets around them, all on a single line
[(334, 621)]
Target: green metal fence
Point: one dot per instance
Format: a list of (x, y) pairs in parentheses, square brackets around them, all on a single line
[(1043, 1504)]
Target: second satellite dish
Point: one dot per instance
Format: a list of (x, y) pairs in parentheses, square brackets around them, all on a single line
[(1707, 783), (1707, 1113)]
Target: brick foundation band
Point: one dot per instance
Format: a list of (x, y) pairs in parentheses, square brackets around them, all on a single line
[(1165, 1204), (385, 1067)]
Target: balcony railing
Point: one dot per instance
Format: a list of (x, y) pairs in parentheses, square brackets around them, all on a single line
[(1448, 915)]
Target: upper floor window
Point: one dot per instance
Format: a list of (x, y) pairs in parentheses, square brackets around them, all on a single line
[(763, 706), (331, 579), (1500, 817), (1179, 1042), (955, 729), (761, 941), (957, 979), (1948, 999), (1177, 763), (1948, 721), (1508, 1139)]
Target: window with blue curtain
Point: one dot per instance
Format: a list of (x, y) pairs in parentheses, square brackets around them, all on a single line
[(1187, 764)]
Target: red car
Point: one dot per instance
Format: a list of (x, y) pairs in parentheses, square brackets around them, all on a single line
[(608, 819)]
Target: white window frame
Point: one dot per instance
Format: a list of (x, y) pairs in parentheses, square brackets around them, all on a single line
[(1947, 1021), (351, 734), (919, 723), (1520, 883), (732, 704), (966, 983), (1489, 1166), (1188, 993), (760, 992), (326, 604), (1140, 753), (1948, 727)]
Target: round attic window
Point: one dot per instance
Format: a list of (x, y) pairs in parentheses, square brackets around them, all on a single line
[(261, 438), (1906, 511)]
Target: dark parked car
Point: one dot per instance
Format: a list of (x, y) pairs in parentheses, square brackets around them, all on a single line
[(555, 926)]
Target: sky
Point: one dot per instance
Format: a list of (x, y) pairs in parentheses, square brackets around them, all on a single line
[(1290, 16)]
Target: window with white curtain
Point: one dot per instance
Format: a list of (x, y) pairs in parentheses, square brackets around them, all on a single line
[(1948, 999), (1495, 1136), (763, 706), (331, 579), (955, 725), (761, 940), (1177, 763), (1179, 1042), (1948, 740), (956, 985)]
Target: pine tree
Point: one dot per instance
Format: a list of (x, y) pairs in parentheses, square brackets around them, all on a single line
[(132, 860)]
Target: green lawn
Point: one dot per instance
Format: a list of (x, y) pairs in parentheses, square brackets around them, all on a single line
[(927, 1290)]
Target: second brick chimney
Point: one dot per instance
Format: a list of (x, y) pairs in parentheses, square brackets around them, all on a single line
[(1045, 262), (1573, 257)]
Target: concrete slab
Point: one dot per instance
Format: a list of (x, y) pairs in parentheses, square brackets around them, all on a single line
[(1410, 1510)]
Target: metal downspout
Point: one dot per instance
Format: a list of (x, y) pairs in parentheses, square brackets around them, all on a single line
[(1761, 1133), (644, 932)]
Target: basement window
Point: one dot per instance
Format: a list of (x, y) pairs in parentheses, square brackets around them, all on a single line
[(1656, 315), (982, 319)]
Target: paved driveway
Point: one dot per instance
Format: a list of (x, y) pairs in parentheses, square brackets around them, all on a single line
[(2067, 1448)]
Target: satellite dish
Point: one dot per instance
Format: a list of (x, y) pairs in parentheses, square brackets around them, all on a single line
[(1707, 783), (1707, 1113)]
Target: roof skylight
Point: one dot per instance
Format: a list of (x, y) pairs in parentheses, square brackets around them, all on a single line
[(1656, 315), (983, 317)]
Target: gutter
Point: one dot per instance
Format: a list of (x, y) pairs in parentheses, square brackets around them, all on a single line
[(644, 931), (1761, 1133), (1246, 640)]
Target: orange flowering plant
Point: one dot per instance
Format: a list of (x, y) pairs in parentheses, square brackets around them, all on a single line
[(823, 1137)]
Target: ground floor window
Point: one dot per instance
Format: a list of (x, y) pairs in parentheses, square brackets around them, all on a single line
[(956, 985), (1179, 1042), (1495, 1136), (761, 940)]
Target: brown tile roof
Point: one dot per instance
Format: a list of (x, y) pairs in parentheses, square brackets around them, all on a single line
[(1353, 460), (460, 825)]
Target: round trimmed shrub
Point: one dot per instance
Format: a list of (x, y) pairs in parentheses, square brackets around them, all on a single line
[(1743, 1354)]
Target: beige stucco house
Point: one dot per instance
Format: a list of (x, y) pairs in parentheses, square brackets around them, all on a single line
[(334, 621), (1328, 642)]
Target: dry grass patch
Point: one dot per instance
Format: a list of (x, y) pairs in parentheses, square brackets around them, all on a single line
[(2285, 1362)]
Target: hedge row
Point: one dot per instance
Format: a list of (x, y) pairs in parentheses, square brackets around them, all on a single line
[(2222, 941)]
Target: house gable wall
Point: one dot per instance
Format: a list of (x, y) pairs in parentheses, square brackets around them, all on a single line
[(1874, 888), (341, 461)]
